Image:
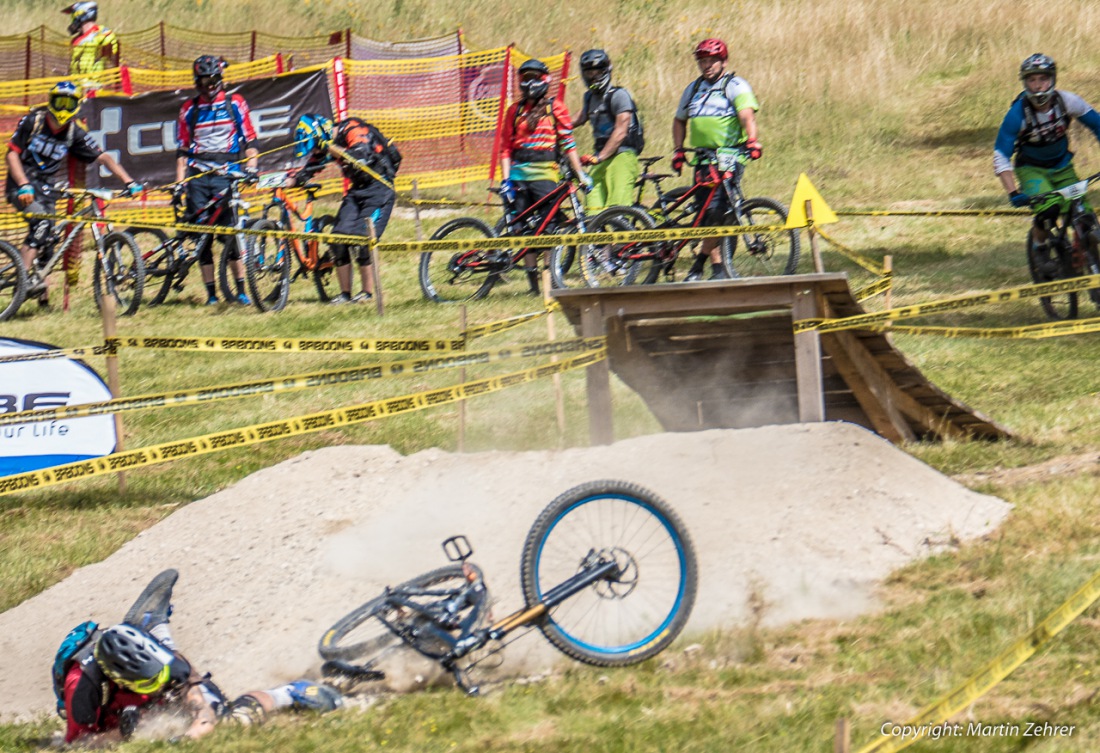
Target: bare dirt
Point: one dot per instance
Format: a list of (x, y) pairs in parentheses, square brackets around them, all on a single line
[(810, 516)]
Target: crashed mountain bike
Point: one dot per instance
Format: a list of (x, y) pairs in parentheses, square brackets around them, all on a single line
[(1073, 248), (608, 574)]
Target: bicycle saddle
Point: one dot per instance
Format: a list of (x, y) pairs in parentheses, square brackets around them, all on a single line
[(651, 176)]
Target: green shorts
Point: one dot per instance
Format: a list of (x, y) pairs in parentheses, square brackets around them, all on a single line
[(613, 182), (1037, 180)]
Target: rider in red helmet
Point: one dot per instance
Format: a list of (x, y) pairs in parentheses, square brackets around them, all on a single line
[(716, 111)]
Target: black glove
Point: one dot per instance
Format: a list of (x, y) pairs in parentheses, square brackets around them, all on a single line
[(128, 721), (178, 191), (251, 175), (1019, 200)]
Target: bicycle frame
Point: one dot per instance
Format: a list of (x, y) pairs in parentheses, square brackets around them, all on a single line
[(290, 214), (65, 232)]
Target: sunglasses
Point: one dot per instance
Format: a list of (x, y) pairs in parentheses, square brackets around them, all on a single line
[(209, 81), (149, 686), (531, 76)]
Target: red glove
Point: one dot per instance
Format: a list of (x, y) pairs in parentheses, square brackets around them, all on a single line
[(679, 159), (752, 146), (590, 159)]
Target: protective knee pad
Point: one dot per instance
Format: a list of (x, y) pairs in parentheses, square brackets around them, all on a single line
[(340, 254), (39, 231), (247, 711), (362, 255)]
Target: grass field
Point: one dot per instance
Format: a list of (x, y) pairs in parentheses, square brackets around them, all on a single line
[(884, 105)]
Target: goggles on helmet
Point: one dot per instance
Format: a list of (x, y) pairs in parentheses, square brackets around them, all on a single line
[(145, 687)]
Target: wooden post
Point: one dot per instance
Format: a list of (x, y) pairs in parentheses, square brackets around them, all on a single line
[(376, 273), (843, 739), (601, 427), (815, 251), (416, 211), (807, 360), (888, 267), (107, 311), (559, 398), (462, 379)]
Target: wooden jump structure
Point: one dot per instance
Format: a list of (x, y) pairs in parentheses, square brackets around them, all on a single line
[(707, 355)]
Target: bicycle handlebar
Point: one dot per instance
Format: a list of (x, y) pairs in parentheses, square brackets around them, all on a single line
[(1072, 191)]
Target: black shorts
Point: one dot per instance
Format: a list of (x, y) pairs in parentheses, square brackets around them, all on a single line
[(351, 219), (200, 192)]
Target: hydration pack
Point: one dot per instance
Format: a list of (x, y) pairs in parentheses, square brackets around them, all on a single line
[(377, 151), (77, 646)]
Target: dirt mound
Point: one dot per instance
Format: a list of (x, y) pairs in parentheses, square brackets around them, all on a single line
[(813, 515)]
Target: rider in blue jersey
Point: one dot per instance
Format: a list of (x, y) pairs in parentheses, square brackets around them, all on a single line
[(1035, 129)]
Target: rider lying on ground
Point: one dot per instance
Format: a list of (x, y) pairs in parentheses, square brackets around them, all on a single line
[(134, 667)]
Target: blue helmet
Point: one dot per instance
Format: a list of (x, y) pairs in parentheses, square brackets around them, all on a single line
[(312, 133), (82, 13)]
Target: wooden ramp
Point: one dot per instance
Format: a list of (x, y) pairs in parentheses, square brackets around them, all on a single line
[(724, 354)]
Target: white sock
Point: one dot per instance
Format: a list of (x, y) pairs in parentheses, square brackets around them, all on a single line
[(163, 634)]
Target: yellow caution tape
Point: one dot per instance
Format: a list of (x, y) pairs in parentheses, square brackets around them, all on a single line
[(573, 239), (938, 213), (289, 345), (88, 350), (492, 328), (989, 675), (305, 424), (302, 381), (862, 261), (537, 241), (864, 321), (878, 286), (1030, 332)]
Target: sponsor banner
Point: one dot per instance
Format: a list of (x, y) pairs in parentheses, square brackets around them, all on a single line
[(46, 385), (140, 131)]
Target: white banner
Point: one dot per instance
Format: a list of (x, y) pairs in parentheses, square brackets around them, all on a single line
[(50, 383)]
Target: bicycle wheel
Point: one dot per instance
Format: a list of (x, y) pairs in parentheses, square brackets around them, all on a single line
[(764, 254), (1048, 262), (13, 281), (159, 256), (605, 265), (324, 274), (365, 634), (226, 279), (267, 268), (630, 618), (119, 272), (452, 276)]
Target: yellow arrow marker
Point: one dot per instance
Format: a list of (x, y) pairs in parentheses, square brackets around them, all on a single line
[(804, 191)]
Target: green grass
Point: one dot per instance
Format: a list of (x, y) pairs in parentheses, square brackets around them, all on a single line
[(888, 104)]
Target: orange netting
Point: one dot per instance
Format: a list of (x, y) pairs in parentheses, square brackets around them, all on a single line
[(442, 112), (43, 52)]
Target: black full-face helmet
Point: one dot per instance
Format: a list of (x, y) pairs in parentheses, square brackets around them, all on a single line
[(1039, 63), (534, 79), (596, 70), (207, 71)]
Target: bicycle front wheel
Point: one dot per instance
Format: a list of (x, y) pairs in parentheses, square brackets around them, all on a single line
[(1048, 262), (764, 254), (324, 272), (634, 615), (158, 255), (13, 281), (376, 628), (119, 272), (605, 265), (463, 275), (267, 268)]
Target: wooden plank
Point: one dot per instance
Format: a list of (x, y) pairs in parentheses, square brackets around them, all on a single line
[(807, 359), (601, 429), (868, 388)]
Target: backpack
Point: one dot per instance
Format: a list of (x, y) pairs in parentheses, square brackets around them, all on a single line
[(77, 646), (635, 135), (382, 156), (193, 117)]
